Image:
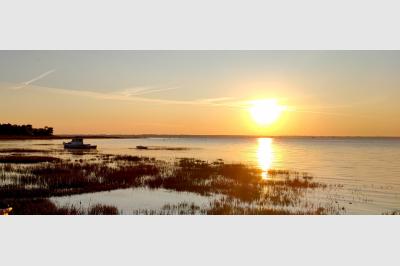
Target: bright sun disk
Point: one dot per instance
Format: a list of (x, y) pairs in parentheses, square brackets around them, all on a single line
[(266, 111)]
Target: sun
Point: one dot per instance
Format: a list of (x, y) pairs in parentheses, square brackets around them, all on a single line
[(265, 111)]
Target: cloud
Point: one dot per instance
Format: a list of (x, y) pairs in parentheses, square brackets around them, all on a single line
[(137, 95), (27, 83), (143, 91), (131, 94)]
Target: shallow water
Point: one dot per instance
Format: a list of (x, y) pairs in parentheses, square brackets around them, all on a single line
[(368, 168), (129, 200)]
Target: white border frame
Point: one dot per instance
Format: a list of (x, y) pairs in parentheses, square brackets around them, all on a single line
[(186, 24), (206, 24)]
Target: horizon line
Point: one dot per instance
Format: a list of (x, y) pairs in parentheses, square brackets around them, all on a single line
[(224, 135)]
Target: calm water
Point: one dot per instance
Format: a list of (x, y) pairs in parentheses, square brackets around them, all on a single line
[(368, 168)]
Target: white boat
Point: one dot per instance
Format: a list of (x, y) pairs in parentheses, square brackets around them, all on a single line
[(77, 143)]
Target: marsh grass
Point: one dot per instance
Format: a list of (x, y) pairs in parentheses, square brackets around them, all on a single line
[(129, 158), (238, 181), (100, 209), (183, 208), (27, 159), (394, 212), (68, 178), (226, 206), (162, 148), (39, 207), (240, 187), (43, 206), (22, 151)]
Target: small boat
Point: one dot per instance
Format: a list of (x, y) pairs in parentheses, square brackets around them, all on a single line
[(77, 143), (141, 147)]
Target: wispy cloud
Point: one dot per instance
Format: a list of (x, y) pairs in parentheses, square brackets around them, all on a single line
[(27, 83), (138, 95), (143, 91)]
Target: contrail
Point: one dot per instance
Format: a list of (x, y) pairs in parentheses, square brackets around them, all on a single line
[(26, 83), (136, 94), (143, 91)]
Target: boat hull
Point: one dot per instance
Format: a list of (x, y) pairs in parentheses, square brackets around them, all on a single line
[(84, 146)]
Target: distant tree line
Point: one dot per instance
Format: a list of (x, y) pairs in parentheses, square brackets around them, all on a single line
[(24, 130)]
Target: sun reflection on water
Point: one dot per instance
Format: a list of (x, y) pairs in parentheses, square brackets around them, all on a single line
[(265, 155)]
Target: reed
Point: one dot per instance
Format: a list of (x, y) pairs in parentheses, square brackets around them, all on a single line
[(100, 209)]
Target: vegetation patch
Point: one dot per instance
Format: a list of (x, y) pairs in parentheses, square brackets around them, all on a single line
[(240, 188), (22, 151), (44, 206), (24, 130), (100, 209), (27, 159)]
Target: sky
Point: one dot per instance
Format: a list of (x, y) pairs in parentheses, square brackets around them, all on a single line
[(325, 93)]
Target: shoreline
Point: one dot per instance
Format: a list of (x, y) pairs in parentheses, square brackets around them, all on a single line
[(237, 189), (138, 136)]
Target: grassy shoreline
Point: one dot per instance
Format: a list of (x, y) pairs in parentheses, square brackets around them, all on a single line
[(241, 188)]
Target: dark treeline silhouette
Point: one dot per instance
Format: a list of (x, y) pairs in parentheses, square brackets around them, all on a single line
[(24, 130)]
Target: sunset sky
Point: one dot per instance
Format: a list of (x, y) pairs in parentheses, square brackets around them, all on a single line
[(331, 93)]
